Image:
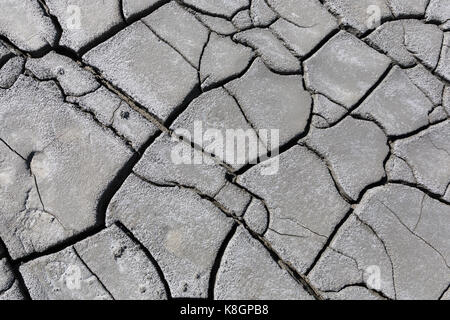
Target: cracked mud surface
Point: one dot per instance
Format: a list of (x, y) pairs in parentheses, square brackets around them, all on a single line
[(93, 95)]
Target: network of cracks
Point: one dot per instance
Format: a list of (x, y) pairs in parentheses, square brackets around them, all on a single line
[(93, 206)]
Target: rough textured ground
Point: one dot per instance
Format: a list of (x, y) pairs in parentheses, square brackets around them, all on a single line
[(93, 207)]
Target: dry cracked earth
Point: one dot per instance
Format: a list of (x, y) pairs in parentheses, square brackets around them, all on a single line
[(92, 205)]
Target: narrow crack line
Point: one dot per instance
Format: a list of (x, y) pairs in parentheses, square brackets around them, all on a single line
[(166, 184), (421, 212), (408, 165), (348, 256), (364, 223), (423, 189), (12, 150), (369, 118), (123, 96), (281, 217), (437, 147), (55, 22), (79, 108), (231, 78), (412, 232), (364, 36), (279, 150), (441, 296), (362, 285), (66, 243), (217, 262), (200, 60), (245, 116), (141, 14), (288, 46), (366, 95), (193, 8), (441, 52), (287, 19), (39, 193), (331, 172), (153, 119), (423, 91), (367, 41), (286, 234), (170, 45), (148, 254), (113, 115), (319, 46), (415, 132), (328, 241), (92, 272)]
